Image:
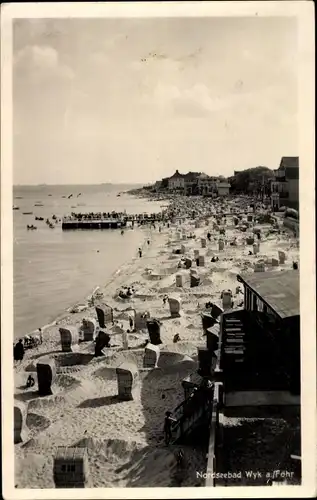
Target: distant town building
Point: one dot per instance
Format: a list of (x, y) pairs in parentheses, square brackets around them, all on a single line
[(223, 188), (176, 182), (285, 185), (157, 186), (195, 183), (207, 186), (191, 182)]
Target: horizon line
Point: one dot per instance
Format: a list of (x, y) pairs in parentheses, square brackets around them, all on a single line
[(81, 184)]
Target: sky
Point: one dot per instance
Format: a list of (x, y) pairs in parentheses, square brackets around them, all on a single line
[(132, 100)]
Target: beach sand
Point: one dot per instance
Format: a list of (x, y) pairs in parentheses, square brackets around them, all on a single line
[(124, 439)]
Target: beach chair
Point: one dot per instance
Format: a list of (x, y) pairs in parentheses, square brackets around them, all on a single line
[(104, 315)]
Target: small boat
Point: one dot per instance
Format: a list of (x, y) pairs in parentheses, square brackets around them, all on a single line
[(19, 197), (39, 204), (27, 213), (39, 218), (63, 196), (118, 195), (49, 195), (31, 227), (15, 208)]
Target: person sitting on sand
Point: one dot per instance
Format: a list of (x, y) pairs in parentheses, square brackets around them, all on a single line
[(176, 338), (168, 421), (131, 323), (208, 236), (30, 382), (165, 298), (129, 292)]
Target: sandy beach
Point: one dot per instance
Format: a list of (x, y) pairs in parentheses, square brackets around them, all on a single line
[(125, 439)]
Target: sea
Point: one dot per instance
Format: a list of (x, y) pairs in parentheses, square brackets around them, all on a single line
[(55, 269)]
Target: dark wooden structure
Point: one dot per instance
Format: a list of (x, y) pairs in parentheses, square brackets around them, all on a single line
[(260, 344)]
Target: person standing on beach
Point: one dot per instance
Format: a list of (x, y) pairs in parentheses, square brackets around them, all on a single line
[(168, 421), (140, 252), (18, 351), (41, 335)]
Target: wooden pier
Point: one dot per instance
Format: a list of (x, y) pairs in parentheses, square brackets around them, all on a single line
[(93, 224), (109, 223)]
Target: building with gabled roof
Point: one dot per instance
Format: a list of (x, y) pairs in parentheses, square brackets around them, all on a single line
[(176, 182), (285, 185)]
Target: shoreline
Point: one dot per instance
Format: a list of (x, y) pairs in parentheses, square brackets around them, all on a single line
[(83, 304)]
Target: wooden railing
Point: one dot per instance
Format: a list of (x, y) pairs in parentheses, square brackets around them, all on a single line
[(194, 408), (215, 437)]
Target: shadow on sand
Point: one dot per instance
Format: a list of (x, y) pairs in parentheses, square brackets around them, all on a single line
[(97, 402)]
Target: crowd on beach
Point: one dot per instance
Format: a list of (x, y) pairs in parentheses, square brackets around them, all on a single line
[(90, 216)]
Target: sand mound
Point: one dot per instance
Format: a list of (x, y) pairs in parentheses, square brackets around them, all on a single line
[(192, 327), (38, 422), (135, 356), (31, 367), (109, 447), (106, 373), (207, 282), (40, 444), (166, 360), (35, 466), (67, 382), (47, 403)]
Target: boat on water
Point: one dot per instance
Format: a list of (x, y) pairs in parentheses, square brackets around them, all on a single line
[(49, 195), (63, 196), (15, 208), (27, 213), (81, 204), (19, 197)]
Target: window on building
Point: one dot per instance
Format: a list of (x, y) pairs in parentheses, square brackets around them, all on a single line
[(63, 468)]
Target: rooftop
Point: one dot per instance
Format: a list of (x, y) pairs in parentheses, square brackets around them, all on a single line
[(289, 161), (192, 175), (177, 174), (279, 290)]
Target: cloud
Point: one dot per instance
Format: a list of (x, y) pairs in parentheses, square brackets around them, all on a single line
[(99, 58), (41, 61)]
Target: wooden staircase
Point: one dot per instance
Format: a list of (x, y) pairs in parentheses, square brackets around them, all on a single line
[(234, 336)]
